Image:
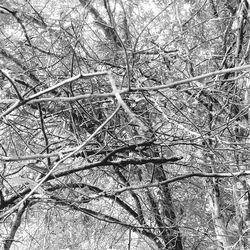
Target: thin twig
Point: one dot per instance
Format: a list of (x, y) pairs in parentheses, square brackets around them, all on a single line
[(6, 74)]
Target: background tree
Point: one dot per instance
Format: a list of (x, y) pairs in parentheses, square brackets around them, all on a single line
[(124, 125)]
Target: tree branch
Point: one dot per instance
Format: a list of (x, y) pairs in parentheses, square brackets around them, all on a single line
[(17, 222)]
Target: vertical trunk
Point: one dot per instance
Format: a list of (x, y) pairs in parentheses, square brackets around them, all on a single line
[(242, 193), (219, 223), (173, 239), (162, 206), (223, 242), (163, 210), (214, 190), (241, 197)]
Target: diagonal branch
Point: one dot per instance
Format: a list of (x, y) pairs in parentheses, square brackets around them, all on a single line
[(124, 105), (110, 219), (58, 163), (17, 222), (6, 74)]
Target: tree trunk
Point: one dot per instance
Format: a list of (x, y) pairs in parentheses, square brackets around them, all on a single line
[(215, 198), (242, 193), (221, 233), (173, 237)]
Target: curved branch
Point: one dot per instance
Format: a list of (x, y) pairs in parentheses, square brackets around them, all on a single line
[(110, 219), (95, 189)]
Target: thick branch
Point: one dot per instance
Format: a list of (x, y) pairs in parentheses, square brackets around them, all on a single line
[(109, 219), (12, 199), (124, 91), (182, 177), (17, 222)]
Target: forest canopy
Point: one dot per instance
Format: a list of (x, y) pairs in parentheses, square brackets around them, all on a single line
[(124, 124)]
